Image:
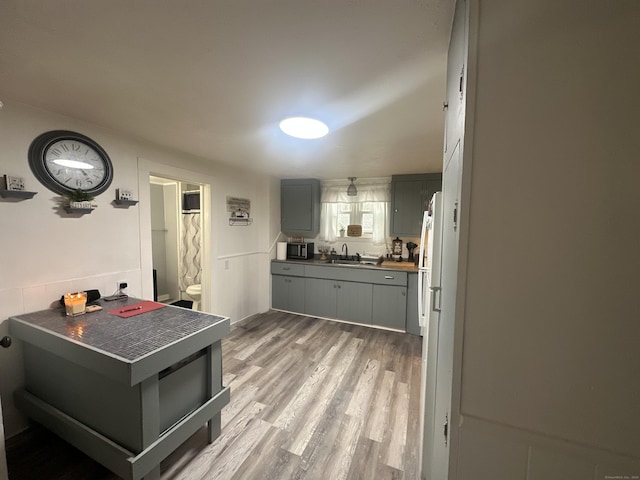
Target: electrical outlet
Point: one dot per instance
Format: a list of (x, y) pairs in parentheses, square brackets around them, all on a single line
[(122, 285)]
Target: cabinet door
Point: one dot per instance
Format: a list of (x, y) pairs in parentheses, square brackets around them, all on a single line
[(354, 302), (413, 325), (287, 293), (279, 292), (320, 297), (407, 198), (389, 306), (410, 195), (300, 206), (456, 83), (296, 294)]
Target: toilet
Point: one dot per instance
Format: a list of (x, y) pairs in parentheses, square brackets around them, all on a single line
[(195, 292)]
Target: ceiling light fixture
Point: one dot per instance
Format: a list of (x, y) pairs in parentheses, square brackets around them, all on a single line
[(352, 191), (304, 127)]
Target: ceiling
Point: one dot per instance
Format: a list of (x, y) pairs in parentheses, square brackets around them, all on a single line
[(214, 77)]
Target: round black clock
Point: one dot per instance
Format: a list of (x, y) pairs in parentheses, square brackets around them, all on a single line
[(66, 161)]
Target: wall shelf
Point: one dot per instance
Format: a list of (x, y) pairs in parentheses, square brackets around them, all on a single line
[(243, 222), (16, 194), (80, 211), (124, 203)]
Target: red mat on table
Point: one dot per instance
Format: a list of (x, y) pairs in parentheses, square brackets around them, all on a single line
[(145, 306)]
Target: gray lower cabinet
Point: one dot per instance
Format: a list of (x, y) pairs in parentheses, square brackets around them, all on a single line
[(351, 301), (288, 293), (354, 302), (360, 295), (320, 298), (287, 286), (389, 306), (413, 324)]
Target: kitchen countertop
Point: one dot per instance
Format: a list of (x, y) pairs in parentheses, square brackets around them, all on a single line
[(386, 265), (126, 349), (128, 338)]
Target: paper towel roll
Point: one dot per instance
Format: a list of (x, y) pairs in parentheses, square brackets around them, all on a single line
[(281, 251)]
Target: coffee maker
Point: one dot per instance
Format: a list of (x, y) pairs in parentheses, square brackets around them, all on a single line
[(410, 248)]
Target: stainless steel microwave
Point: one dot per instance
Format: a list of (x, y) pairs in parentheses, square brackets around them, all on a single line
[(300, 251)]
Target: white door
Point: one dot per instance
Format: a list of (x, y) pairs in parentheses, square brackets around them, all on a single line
[(444, 370)]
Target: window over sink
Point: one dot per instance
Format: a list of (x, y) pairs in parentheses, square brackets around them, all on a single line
[(356, 214), (370, 208)]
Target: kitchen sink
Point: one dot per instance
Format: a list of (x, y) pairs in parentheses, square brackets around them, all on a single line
[(356, 263)]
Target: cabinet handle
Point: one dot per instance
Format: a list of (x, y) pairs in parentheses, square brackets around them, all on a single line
[(434, 292), (286, 268), (388, 277)]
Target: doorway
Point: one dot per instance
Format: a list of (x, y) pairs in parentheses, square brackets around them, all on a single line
[(147, 169), (177, 240)]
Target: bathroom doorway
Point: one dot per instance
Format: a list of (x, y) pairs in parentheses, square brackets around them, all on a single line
[(177, 241)]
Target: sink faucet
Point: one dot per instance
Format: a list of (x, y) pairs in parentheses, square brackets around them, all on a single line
[(345, 249)]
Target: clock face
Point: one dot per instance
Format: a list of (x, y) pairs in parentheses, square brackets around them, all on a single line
[(67, 161), (74, 164)]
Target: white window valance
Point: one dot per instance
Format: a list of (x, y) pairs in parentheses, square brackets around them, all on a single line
[(369, 190)]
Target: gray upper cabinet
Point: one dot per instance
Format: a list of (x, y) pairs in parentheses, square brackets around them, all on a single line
[(410, 195), (300, 206)]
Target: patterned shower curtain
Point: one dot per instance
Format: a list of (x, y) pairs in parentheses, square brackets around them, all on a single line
[(190, 267)]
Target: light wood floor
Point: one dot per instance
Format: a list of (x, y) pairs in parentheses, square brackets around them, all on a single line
[(310, 399)]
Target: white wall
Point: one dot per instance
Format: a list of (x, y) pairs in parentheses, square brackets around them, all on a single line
[(549, 383), (45, 254), (243, 253)]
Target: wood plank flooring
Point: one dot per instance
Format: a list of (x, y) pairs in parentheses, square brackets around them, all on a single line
[(310, 399)]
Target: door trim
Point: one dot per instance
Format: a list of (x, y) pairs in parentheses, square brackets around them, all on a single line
[(147, 168)]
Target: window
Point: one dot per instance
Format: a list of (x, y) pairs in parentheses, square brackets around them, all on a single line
[(370, 209), (356, 214)]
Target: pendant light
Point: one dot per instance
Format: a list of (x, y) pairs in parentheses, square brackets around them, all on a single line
[(352, 191)]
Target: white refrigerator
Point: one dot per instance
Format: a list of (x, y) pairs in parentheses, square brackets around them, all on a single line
[(429, 275)]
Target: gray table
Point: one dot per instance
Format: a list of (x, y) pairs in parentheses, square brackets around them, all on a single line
[(126, 391)]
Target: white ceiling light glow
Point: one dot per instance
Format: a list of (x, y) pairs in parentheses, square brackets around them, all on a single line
[(304, 127)]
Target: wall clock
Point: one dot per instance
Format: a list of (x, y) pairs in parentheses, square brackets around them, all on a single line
[(66, 161)]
